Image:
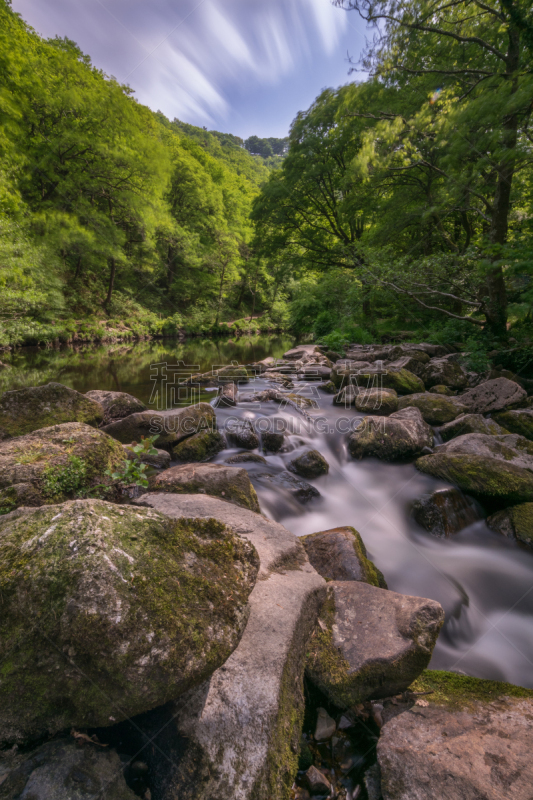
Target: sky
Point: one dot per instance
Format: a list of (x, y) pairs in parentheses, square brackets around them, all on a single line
[(239, 66)]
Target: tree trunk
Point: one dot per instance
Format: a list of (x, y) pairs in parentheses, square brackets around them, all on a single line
[(113, 269), (78, 270)]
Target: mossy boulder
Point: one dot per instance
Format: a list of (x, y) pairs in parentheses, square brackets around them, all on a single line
[(25, 410), (310, 464), (240, 433), (401, 436), (340, 555), (228, 483), (441, 389), (199, 447), (170, 427), (435, 409), (241, 458), (445, 512), (508, 447), (116, 405), (372, 643), (494, 395), (377, 401), (518, 421), (401, 380), (443, 371), (56, 463), (328, 387), (108, 611), (515, 523), (470, 423)]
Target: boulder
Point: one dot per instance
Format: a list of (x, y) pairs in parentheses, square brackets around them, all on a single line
[(25, 410), (510, 447), (171, 426), (401, 380), (310, 464), (273, 436), (403, 435), (227, 396), (300, 490), (314, 372), (340, 555), (232, 373), (445, 372), (414, 363), (471, 742), (515, 523), (346, 371), (346, 397), (199, 447), (116, 405), (372, 642), (377, 401), (435, 409), (301, 351), (241, 458), (519, 421), (240, 433), (230, 483), (493, 395), (130, 610), (237, 738), (328, 387), (64, 770), (444, 512), (470, 423), (159, 460), (441, 389), (57, 462)]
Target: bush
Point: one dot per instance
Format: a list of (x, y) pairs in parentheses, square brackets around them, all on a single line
[(324, 323)]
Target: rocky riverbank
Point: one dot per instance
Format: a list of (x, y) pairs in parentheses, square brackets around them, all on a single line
[(161, 638)]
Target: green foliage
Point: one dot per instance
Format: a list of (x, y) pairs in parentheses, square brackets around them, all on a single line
[(145, 446), (477, 354), (67, 480), (131, 474)]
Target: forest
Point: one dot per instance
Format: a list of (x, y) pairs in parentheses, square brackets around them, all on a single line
[(400, 206)]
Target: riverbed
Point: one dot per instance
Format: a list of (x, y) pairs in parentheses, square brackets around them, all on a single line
[(483, 581)]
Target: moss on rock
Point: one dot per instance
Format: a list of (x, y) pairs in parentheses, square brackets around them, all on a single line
[(199, 447), (108, 611), (310, 464), (435, 408), (340, 554), (515, 522), (229, 483), (461, 691), (25, 410), (519, 421)]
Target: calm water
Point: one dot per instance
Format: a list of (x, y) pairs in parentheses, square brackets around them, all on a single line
[(484, 582)]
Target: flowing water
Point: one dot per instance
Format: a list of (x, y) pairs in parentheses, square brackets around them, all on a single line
[(483, 581)]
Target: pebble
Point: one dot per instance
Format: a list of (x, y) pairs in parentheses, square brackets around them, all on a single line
[(317, 781)]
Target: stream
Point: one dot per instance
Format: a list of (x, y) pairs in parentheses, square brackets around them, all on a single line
[(483, 581)]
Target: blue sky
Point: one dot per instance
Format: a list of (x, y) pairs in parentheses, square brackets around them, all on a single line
[(242, 66)]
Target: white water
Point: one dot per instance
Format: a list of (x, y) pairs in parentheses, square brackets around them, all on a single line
[(483, 581)]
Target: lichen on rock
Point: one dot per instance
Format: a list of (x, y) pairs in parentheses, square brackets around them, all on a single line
[(25, 410)]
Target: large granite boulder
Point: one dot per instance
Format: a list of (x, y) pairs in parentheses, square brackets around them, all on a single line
[(372, 643), (470, 423), (116, 405), (340, 555), (518, 421), (400, 436), (25, 410), (229, 483), (401, 380), (295, 487), (63, 770), (493, 395), (444, 372), (310, 464), (469, 739), (444, 512), (380, 402), (508, 447), (53, 464), (199, 447), (171, 426), (515, 523), (238, 736), (414, 363), (108, 611), (435, 409)]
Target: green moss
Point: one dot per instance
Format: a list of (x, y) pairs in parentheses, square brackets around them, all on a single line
[(461, 691), (373, 575), (516, 422), (435, 409), (199, 447), (57, 482), (481, 476)]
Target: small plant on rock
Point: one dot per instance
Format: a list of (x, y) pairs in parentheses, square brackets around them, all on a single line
[(132, 473)]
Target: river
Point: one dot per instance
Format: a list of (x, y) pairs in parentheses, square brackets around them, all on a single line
[(483, 581)]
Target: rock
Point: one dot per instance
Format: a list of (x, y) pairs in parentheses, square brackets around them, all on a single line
[(473, 744), (273, 436), (316, 781), (379, 377), (470, 423), (300, 490), (131, 609), (232, 373), (509, 447), (328, 387), (347, 396), (302, 350), (493, 395), (230, 483), (346, 371), (240, 433), (227, 396), (310, 464), (515, 523), (402, 381), (20, 494), (238, 738), (57, 462), (519, 421), (374, 642), (62, 770), (444, 512), (314, 372), (116, 405), (340, 555), (441, 389), (25, 410), (170, 426), (377, 401), (435, 409), (446, 372), (412, 363), (325, 725), (403, 435), (241, 458), (199, 447), (160, 460), (332, 355)]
